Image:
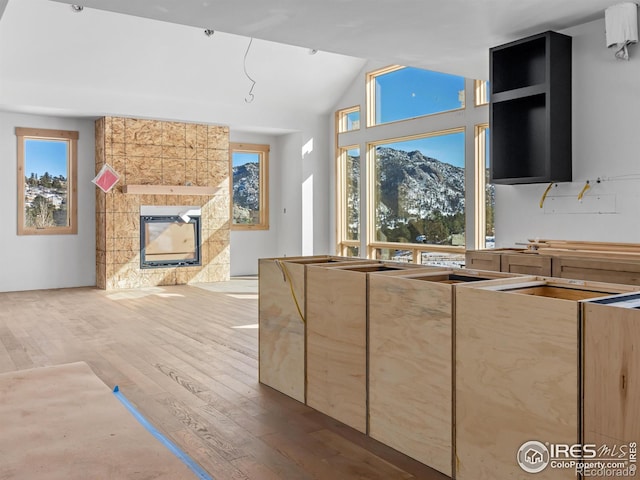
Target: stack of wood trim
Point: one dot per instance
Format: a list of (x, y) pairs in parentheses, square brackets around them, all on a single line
[(617, 250)]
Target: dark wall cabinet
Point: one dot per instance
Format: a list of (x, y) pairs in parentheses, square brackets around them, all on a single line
[(530, 110)]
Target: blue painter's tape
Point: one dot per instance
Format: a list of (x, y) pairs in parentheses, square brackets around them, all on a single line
[(188, 461)]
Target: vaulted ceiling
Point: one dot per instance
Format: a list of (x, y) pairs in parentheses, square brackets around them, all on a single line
[(446, 35), (152, 58)]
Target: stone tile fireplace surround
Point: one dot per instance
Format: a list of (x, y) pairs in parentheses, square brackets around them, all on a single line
[(151, 152)]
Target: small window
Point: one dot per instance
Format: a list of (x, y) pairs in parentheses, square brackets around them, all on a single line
[(47, 191), (348, 119), (481, 92), (486, 193), (400, 93), (249, 166)]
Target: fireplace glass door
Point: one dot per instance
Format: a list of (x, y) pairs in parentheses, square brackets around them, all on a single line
[(169, 241)]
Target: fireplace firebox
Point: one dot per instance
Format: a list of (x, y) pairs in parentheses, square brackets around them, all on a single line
[(169, 241)]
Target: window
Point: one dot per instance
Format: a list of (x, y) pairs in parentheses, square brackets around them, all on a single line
[(250, 191), (400, 93), (348, 119), (423, 177), (418, 186), (486, 194), (349, 201), (481, 92), (47, 178)]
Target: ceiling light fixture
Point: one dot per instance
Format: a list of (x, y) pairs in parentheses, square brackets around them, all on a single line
[(209, 32), (76, 8), (312, 51)]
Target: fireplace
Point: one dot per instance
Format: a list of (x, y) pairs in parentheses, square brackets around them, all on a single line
[(169, 237)]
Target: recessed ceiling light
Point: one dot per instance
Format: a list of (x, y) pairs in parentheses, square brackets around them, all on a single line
[(77, 8)]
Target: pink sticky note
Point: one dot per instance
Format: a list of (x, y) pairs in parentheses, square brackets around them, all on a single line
[(106, 178)]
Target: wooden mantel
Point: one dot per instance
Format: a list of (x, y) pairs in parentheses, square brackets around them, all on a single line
[(168, 190)]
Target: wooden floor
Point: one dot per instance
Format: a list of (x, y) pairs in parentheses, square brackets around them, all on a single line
[(186, 356)]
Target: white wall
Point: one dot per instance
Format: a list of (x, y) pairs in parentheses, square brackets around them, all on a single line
[(31, 262), (317, 170), (606, 144), (290, 214)]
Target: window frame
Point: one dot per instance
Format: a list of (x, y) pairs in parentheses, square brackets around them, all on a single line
[(371, 98), (263, 154), (71, 138), (344, 244), (406, 129), (480, 92), (480, 165)]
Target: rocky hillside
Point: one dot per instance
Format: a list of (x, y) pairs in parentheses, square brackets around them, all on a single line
[(421, 198), (414, 185), (246, 192)]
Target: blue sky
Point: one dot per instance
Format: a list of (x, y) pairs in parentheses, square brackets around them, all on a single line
[(487, 147), (446, 148), (413, 92), (45, 156), (240, 158)]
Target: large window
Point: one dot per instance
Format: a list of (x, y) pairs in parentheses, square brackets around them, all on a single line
[(349, 201), (426, 197), (400, 93), (418, 187), (249, 165), (47, 190)]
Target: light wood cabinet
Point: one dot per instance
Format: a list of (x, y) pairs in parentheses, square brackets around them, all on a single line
[(281, 282), (518, 371), (410, 362), (337, 340), (597, 269), (526, 264), (454, 368), (488, 260), (594, 267), (611, 371)]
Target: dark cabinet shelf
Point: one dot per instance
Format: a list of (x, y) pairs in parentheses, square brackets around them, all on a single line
[(519, 64), (518, 93), (530, 110)]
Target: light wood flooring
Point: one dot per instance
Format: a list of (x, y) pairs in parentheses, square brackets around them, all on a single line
[(187, 357)]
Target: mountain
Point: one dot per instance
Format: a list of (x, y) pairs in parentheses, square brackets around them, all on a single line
[(414, 185), (246, 192), (419, 198), (410, 185)]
